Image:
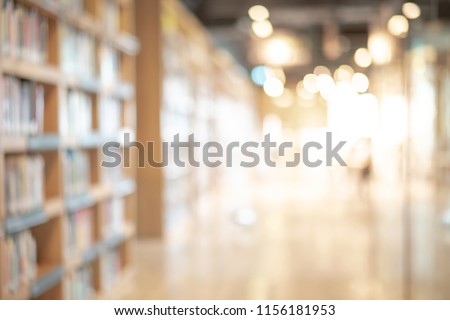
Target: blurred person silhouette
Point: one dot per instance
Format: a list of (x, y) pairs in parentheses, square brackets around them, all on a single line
[(360, 166)]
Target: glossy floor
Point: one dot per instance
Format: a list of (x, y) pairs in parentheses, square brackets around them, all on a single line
[(292, 237)]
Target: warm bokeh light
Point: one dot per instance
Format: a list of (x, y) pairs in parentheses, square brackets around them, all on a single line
[(398, 26), (411, 10), (363, 58), (321, 70), (276, 73), (278, 51), (273, 87), (258, 13), (262, 29), (310, 83), (380, 47), (326, 85), (285, 100), (302, 92), (344, 73), (360, 82)]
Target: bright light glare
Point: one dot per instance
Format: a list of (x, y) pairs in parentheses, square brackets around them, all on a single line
[(278, 51), (325, 83), (344, 73), (398, 26), (362, 57), (276, 73), (303, 93), (380, 48), (321, 70), (360, 82), (258, 13), (411, 10), (285, 100), (310, 83), (258, 75), (273, 87), (262, 29)]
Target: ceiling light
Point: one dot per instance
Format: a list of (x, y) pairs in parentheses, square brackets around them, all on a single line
[(310, 83), (380, 47), (273, 87), (321, 70), (258, 13), (360, 82), (362, 57), (411, 10), (398, 26), (344, 73), (302, 92), (262, 29)]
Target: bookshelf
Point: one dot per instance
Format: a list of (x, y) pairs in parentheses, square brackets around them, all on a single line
[(193, 85), (68, 86)]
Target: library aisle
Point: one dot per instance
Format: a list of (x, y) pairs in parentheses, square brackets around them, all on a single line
[(304, 242)]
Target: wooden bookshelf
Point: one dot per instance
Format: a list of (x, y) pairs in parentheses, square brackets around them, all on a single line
[(48, 224)]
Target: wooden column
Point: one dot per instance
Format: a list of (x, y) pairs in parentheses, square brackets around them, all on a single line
[(149, 92)]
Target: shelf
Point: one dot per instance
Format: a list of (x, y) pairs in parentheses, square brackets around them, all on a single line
[(26, 221), (48, 277), (53, 142), (18, 223), (89, 255), (31, 71), (122, 41)]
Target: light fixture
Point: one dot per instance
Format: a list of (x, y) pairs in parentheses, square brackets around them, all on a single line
[(321, 70), (278, 51), (411, 10), (360, 82), (310, 83), (398, 26), (326, 85), (276, 73), (273, 87), (362, 57), (262, 29), (302, 92), (258, 13), (344, 73), (380, 47)]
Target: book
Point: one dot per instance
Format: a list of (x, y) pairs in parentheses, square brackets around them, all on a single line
[(109, 64), (20, 261), (79, 232), (77, 52), (22, 106), (24, 33), (111, 16), (78, 115), (110, 116), (113, 217), (76, 172), (110, 267), (24, 184), (79, 284)]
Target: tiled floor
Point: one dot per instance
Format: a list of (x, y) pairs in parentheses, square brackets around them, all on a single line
[(308, 241)]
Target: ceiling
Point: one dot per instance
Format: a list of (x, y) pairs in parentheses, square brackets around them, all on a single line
[(229, 23)]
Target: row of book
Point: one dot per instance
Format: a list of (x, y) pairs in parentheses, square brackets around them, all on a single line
[(76, 166), (110, 267), (79, 113), (20, 261), (79, 284), (24, 32), (110, 115), (77, 52), (113, 218), (24, 184), (22, 106), (80, 232), (109, 62)]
